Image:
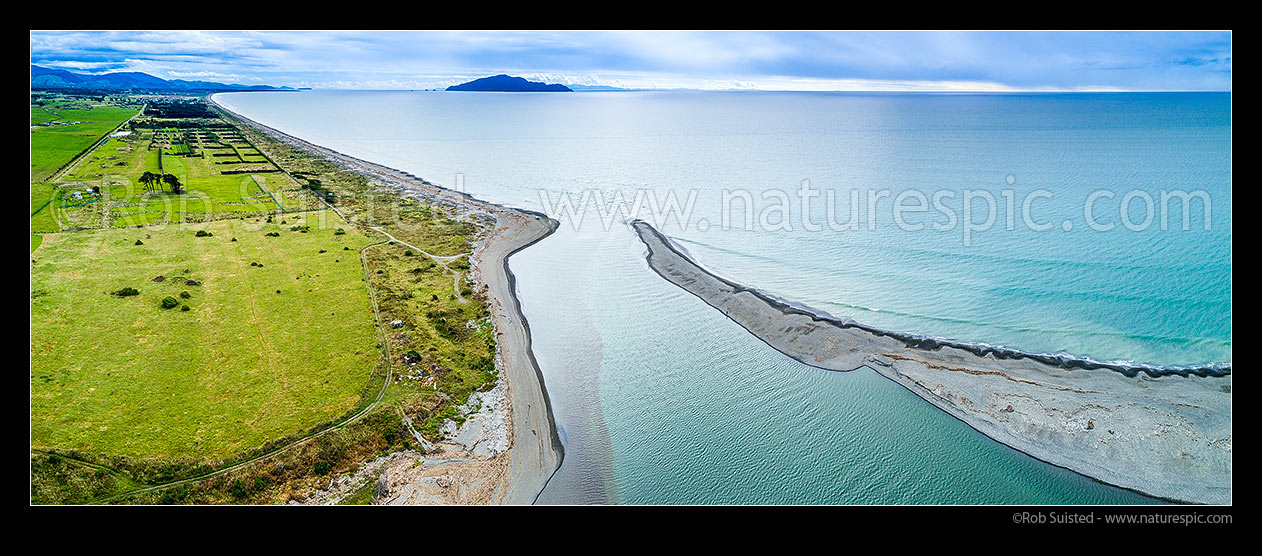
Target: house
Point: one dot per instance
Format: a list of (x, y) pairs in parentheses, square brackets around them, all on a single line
[(396, 324)]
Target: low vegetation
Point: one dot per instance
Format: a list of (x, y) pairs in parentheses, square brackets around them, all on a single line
[(62, 130), (254, 365), (275, 337), (164, 170)]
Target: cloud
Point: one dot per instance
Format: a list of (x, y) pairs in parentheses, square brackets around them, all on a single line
[(664, 59), (212, 76)]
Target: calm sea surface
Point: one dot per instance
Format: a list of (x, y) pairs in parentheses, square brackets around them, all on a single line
[(970, 222)]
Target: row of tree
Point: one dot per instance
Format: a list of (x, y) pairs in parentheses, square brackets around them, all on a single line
[(154, 182)]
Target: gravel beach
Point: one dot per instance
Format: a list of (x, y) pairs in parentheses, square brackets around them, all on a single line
[(1165, 432)]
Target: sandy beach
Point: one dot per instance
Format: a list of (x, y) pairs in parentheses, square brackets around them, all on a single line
[(459, 473), (1165, 432)]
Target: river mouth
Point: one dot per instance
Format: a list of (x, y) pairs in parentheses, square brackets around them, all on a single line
[(694, 410)]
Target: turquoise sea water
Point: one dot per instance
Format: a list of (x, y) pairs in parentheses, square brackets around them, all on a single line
[(663, 400)]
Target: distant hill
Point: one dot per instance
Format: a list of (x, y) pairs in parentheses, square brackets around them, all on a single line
[(597, 88), (47, 78), (508, 83)]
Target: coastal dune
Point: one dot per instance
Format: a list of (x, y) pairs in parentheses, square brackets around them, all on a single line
[(1161, 431)]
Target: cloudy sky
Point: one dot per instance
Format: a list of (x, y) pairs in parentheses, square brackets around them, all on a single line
[(973, 61)]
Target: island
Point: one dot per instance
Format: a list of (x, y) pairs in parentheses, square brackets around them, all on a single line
[(509, 84)]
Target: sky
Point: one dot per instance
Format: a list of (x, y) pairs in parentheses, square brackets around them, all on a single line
[(829, 61)]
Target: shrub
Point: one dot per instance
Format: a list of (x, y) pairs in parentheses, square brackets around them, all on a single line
[(272, 234), (185, 295), (203, 233), (322, 468), (169, 302), (126, 292), (138, 242), (339, 232), (237, 488), (184, 307), (407, 253)]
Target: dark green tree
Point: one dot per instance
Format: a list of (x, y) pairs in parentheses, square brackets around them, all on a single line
[(149, 179), (174, 182)]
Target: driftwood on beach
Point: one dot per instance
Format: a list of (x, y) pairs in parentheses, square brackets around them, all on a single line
[(1162, 431)]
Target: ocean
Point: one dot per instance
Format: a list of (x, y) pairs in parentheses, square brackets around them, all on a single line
[(1097, 225)]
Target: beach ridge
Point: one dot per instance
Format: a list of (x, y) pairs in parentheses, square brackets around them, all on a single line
[(535, 451)]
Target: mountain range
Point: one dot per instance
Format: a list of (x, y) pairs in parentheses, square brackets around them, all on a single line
[(47, 78)]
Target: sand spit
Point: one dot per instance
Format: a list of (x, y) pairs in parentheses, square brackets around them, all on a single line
[(535, 450), (1165, 432)]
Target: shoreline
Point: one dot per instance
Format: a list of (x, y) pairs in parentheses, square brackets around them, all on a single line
[(919, 341), (532, 459), (526, 468), (1165, 433)]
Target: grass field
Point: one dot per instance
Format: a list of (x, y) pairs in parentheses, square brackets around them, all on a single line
[(211, 194), (52, 146), (42, 218), (40, 114), (454, 340), (262, 352), (279, 336)]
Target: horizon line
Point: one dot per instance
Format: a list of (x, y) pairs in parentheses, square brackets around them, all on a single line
[(758, 90)]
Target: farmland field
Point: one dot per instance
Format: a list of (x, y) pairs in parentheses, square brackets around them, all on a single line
[(54, 145), (263, 351), (213, 190), (280, 338), (42, 219)]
